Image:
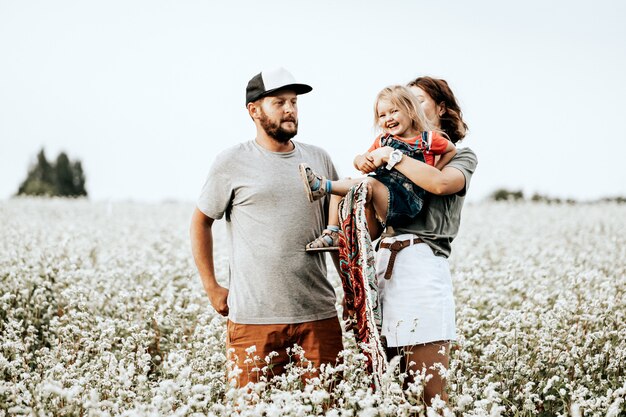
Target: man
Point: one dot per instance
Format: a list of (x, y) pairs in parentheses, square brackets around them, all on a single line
[(278, 294)]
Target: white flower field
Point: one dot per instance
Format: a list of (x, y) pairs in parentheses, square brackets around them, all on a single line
[(102, 314)]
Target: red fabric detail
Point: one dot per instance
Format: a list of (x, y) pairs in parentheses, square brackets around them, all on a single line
[(358, 278)]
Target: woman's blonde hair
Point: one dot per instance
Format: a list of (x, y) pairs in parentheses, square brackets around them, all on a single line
[(402, 98)]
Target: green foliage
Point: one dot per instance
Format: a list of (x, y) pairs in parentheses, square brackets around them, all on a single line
[(64, 178), (540, 198), (617, 199), (503, 194)]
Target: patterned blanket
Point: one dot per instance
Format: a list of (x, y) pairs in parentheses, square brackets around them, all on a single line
[(358, 276)]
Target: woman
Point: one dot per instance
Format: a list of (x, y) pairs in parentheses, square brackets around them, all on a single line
[(416, 287)]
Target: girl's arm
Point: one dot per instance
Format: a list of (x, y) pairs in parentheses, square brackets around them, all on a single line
[(364, 163), (447, 181), (446, 156)]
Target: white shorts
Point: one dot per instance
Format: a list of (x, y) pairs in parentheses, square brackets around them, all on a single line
[(417, 301)]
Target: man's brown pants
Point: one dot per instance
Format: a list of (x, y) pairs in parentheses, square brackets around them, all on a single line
[(320, 340)]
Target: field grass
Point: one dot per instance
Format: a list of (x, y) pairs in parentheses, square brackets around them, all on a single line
[(102, 313)]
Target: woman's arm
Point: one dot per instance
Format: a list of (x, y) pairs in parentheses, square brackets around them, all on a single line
[(447, 181), (446, 156)]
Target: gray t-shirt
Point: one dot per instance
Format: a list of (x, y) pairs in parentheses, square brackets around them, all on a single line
[(438, 222), (269, 220)]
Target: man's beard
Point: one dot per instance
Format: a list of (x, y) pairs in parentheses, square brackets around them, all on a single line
[(275, 131)]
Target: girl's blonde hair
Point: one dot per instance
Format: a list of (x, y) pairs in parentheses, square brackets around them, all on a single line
[(402, 98)]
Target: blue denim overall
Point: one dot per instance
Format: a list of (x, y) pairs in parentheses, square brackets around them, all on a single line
[(405, 198)]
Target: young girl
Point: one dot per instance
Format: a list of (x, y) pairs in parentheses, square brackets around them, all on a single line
[(405, 128)]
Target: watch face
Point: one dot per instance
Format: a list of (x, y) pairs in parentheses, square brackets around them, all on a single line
[(394, 157)]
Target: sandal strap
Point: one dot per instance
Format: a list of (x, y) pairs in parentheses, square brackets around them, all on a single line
[(322, 242)]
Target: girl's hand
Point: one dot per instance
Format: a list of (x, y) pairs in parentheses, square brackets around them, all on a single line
[(364, 163), (381, 155)]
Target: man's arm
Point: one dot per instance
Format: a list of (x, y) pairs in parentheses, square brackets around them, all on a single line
[(447, 181), (202, 249)]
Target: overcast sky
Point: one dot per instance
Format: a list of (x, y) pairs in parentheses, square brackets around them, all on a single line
[(146, 92)]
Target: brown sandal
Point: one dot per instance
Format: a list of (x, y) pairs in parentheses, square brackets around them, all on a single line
[(328, 241), (310, 177)]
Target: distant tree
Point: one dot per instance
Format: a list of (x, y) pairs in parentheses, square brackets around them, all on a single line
[(617, 199), (65, 178), (64, 175), (538, 198), (503, 194), (40, 178), (78, 179)]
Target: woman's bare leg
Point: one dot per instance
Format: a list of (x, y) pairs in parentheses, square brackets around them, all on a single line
[(425, 356)]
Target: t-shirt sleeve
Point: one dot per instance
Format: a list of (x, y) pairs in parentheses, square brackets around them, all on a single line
[(376, 144), (216, 195), (331, 172), (465, 161), (437, 143), (332, 175)]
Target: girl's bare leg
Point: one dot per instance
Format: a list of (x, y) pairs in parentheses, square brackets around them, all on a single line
[(341, 187), (377, 194), (374, 226), (333, 210), (375, 207), (379, 197), (317, 186), (329, 239)]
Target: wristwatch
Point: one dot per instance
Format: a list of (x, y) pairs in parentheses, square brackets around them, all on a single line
[(394, 157)]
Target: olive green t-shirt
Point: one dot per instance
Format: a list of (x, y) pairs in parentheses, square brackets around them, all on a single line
[(438, 222)]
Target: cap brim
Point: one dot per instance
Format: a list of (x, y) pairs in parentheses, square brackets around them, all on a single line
[(297, 88)]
